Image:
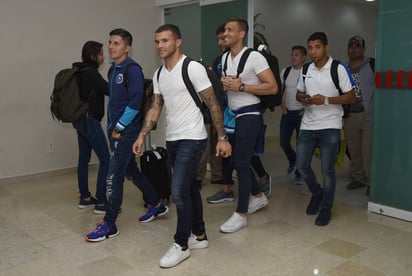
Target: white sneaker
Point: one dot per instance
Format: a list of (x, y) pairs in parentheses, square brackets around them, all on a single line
[(174, 256), (234, 224), (256, 203), (194, 243)]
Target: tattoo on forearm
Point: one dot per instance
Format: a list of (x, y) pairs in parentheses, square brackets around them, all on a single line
[(153, 114), (208, 96)]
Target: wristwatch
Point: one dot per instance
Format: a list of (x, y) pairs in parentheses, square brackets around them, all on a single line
[(326, 102), (223, 138), (242, 88)]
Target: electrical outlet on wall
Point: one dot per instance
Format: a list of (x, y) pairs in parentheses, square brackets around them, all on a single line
[(51, 148)]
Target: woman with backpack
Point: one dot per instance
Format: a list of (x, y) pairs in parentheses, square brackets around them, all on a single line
[(90, 134)]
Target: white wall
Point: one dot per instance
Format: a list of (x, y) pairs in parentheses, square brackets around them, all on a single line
[(40, 37), (291, 22)]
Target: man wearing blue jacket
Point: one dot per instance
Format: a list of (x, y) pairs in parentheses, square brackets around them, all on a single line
[(124, 123)]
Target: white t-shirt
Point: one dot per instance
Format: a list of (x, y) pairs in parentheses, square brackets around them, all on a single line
[(255, 64), (319, 81), (289, 97), (184, 120)]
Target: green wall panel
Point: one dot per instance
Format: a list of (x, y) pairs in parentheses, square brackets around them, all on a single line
[(392, 149), (188, 19), (212, 17)]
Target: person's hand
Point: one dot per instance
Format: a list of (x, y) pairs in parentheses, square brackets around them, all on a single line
[(138, 146), (116, 135), (223, 148), (318, 99), (231, 83), (284, 109)]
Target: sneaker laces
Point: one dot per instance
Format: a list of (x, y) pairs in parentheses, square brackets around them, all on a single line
[(99, 227), (172, 248)]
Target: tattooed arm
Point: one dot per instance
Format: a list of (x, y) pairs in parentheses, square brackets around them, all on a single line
[(223, 148), (149, 122)]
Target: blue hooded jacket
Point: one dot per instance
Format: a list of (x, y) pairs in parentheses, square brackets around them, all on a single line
[(125, 103)]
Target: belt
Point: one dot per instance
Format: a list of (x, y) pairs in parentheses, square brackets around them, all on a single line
[(357, 111)]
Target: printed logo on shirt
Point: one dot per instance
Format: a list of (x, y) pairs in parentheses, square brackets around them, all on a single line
[(119, 78)]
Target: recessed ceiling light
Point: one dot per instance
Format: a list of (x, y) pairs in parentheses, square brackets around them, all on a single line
[(370, 0)]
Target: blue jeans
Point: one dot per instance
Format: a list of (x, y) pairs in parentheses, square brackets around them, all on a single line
[(185, 157), (246, 136), (289, 123), (123, 164), (328, 142), (90, 136)]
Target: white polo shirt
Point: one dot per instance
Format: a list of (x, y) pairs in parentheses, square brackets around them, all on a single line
[(255, 64), (319, 81), (184, 120)]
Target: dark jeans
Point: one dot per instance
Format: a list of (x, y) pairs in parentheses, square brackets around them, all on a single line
[(90, 136), (328, 142), (227, 167), (246, 136), (289, 123), (185, 157), (122, 164)]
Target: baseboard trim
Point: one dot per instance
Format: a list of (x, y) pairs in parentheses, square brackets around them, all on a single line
[(53, 173), (389, 211)]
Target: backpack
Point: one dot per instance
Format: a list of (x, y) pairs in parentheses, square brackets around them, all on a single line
[(66, 104), (147, 86), (214, 80), (335, 79), (267, 101), (285, 76)]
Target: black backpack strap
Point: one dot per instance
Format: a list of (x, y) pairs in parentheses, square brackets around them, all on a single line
[(286, 73), (285, 76), (188, 82), (334, 75), (126, 73), (225, 63), (158, 73), (242, 61), (305, 70), (335, 79)]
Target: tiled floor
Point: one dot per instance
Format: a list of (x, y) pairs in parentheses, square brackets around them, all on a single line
[(42, 233)]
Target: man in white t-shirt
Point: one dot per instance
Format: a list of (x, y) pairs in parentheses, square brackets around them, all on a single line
[(321, 124), (292, 110), (186, 138), (256, 79)]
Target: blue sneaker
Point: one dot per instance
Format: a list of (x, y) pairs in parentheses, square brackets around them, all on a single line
[(153, 212), (102, 232)]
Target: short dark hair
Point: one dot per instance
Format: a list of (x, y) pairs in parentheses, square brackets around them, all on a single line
[(170, 27), (90, 51), (220, 29), (319, 36), (301, 48), (242, 23), (125, 35)]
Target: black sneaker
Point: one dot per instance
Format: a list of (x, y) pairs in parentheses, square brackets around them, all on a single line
[(87, 202), (355, 185), (100, 209), (323, 218), (314, 204)]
